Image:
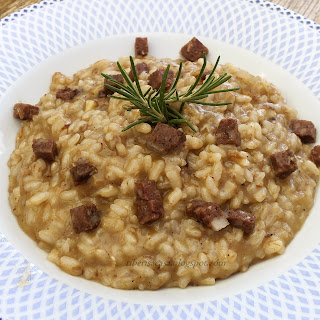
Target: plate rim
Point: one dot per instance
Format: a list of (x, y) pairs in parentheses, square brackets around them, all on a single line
[(7, 91)]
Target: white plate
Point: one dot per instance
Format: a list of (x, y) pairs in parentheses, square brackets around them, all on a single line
[(241, 294)]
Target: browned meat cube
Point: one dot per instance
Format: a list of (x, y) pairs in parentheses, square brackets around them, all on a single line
[(85, 218), (141, 47), (193, 50), (140, 67), (283, 163), (304, 129), (315, 155), (105, 91), (45, 149), (149, 201), (165, 138), (155, 79), (66, 93), (241, 220), (24, 111), (227, 132), (82, 171), (207, 213)]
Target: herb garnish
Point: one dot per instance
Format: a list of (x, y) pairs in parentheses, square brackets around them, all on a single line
[(154, 105)]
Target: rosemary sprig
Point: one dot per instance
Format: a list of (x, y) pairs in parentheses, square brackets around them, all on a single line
[(155, 105)]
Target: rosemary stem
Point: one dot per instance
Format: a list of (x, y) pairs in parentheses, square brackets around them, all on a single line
[(154, 105)]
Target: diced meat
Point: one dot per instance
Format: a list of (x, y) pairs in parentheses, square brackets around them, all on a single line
[(241, 220), (24, 111), (207, 213), (283, 163), (85, 218), (140, 67), (193, 50), (227, 132), (103, 93), (82, 171), (304, 129), (315, 155), (141, 46), (66, 93), (155, 79), (45, 149), (149, 201), (165, 138)]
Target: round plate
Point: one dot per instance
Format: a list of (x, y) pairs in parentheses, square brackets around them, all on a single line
[(281, 49)]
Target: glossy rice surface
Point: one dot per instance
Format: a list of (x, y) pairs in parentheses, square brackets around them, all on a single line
[(174, 251)]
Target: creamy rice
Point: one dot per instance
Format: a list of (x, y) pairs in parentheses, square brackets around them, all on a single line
[(174, 251)]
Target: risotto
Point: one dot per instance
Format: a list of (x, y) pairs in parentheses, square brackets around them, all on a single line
[(132, 212)]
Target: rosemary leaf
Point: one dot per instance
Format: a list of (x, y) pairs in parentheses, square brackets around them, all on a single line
[(135, 76), (181, 107), (144, 120), (199, 76), (210, 103), (154, 105), (172, 89)]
